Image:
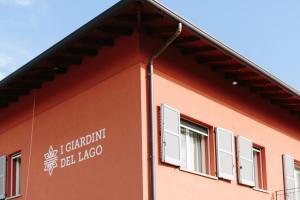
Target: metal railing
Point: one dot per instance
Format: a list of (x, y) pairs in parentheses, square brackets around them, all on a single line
[(289, 194)]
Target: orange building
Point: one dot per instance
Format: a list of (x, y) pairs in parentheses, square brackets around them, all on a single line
[(139, 104)]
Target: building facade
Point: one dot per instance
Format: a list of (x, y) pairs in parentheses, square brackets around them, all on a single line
[(75, 121)]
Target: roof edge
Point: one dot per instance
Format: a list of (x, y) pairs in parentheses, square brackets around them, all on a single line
[(225, 48)]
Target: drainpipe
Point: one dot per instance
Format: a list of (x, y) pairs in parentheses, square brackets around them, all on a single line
[(162, 48)]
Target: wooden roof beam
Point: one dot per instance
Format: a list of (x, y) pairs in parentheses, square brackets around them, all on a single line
[(132, 18), (186, 39), (8, 98), (117, 30), (66, 60), (210, 59), (80, 51), (196, 50), (290, 107), (276, 96), (255, 82), (160, 29), (241, 75), (295, 112), (26, 84), (50, 70), (97, 41), (286, 101), (14, 92), (39, 77), (266, 89), (3, 104), (227, 67)]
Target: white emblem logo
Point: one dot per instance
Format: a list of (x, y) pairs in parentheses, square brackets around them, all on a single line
[(50, 160)]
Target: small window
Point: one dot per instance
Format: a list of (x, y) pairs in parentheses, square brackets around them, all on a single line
[(258, 165), (194, 147), (14, 174), (297, 182)]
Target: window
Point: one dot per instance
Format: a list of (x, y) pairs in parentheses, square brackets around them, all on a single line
[(14, 174), (186, 144), (258, 168), (194, 146), (297, 182), (251, 163)]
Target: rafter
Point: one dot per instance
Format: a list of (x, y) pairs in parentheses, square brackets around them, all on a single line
[(186, 39), (14, 92), (132, 18), (210, 59), (80, 51), (97, 41), (286, 101), (39, 77), (160, 29), (66, 60), (240, 75), (117, 30), (276, 96), (290, 107), (227, 67), (254, 82), (195, 50), (273, 89)]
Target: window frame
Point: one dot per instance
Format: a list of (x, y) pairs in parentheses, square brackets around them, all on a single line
[(14, 177), (297, 171), (206, 138), (257, 163), (263, 173)]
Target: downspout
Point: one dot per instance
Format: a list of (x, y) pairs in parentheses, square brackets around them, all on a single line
[(162, 48)]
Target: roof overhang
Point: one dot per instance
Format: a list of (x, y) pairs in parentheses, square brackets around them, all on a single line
[(155, 19)]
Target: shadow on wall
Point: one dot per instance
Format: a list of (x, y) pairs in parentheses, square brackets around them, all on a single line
[(203, 81)]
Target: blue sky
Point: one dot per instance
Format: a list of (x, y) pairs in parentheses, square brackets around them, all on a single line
[(267, 32)]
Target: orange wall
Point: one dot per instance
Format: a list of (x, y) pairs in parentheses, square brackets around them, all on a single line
[(103, 92), (109, 91), (205, 96)]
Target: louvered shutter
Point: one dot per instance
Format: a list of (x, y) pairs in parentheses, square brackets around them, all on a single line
[(2, 176), (289, 179), (170, 129), (225, 154), (245, 161)]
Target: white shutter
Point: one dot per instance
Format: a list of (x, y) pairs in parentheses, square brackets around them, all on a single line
[(225, 154), (289, 179), (170, 129), (245, 161), (2, 176)]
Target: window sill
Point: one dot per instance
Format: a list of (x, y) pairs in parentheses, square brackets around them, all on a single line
[(13, 197), (261, 190), (198, 173)]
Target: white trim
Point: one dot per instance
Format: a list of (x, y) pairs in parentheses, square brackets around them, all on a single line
[(256, 149), (261, 190), (195, 130), (13, 197), (198, 173), (16, 157)]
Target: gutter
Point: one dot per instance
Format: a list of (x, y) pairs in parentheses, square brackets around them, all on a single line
[(159, 51)]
